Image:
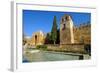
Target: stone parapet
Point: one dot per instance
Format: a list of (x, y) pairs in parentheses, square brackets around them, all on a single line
[(76, 48)]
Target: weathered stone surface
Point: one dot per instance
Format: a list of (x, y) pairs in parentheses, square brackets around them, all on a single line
[(82, 34), (77, 48), (73, 47), (66, 30), (70, 34), (37, 38)]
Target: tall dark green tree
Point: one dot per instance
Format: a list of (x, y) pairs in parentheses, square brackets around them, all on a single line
[(54, 31), (48, 39)]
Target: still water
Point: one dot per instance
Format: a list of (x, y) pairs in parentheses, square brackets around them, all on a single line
[(48, 56)]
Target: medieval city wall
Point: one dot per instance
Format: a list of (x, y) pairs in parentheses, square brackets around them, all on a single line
[(82, 34)]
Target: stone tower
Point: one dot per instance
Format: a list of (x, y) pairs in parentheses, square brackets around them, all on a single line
[(37, 38), (66, 30)]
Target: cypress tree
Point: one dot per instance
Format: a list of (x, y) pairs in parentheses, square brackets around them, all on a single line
[(54, 31)]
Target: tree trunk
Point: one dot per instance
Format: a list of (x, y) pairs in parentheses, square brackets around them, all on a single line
[(54, 42)]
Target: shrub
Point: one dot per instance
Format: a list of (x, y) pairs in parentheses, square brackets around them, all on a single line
[(87, 47), (42, 47)]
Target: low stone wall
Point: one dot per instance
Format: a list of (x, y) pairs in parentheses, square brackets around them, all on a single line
[(73, 48), (79, 48)]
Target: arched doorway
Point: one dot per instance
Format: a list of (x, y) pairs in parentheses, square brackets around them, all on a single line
[(35, 39)]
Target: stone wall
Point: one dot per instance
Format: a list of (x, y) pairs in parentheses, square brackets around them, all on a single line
[(78, 48), (82, 34), (66, 30), (73, 48), (37, 38)]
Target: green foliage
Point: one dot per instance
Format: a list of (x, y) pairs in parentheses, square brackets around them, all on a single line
[(48, 39), (41, 47), (54, 30), (58, 36), (87, 48)]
